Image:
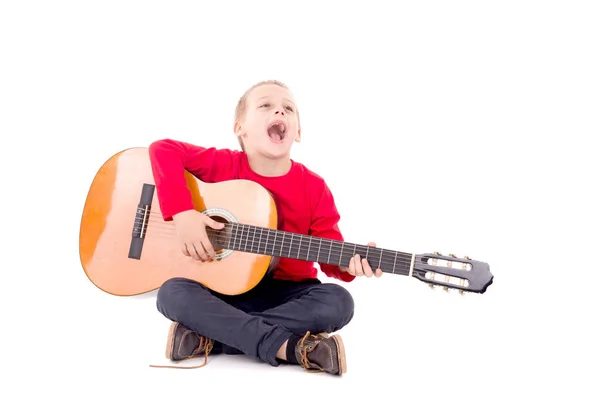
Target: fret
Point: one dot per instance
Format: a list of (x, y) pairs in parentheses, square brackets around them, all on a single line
[(267, 240), (254, 238), (242, 237), (259, 239), (334, 250), (229, 241), (249, 239), (395, 257), (234, 236), (238, 238), (380, 255), (319, 251), (274, 242), (341, 253), (299, 247), (288, 245)]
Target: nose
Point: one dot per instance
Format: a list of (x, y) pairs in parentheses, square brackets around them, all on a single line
[(280, 111)]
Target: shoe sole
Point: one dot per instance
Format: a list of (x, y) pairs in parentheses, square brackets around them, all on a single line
[(341, 353), (171, 340)]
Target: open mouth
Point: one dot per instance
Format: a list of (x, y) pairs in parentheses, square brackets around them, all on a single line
[(277, 131)]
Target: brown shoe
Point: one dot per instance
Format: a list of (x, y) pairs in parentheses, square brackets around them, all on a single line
[(183, 343), (322, 353)]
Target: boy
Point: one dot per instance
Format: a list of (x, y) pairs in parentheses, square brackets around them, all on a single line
[(287, 316)]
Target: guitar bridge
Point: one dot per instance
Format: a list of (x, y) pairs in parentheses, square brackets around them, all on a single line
[(140, 223)]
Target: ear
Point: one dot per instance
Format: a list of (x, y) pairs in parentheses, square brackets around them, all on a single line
[(237, 129), (297, 139)]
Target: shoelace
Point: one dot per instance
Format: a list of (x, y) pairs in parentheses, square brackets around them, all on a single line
[(205, 343), (304, 361)]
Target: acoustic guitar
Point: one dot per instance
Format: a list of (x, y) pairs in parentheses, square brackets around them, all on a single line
[(127, 248)]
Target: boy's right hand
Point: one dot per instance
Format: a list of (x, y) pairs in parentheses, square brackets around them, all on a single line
[(191, 230)]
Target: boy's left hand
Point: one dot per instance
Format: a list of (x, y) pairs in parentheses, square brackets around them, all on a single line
[(357, 267)]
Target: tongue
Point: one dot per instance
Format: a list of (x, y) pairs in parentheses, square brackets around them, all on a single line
[(275, 133)]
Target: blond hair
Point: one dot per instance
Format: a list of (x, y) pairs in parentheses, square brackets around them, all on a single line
[(240, 108)]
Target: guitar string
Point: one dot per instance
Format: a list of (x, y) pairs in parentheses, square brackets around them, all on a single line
[(400, 268), (397, 270), (243, 234), (158, 221), (334, 261), (449, 284), (342, 249), (397, 255)]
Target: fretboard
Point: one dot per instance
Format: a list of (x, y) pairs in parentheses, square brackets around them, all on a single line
[(259, 240)]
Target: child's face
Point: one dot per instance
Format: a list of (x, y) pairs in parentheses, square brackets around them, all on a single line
[(270, 125)]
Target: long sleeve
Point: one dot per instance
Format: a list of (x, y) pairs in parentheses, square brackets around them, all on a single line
[(170, 159), (325, 224)]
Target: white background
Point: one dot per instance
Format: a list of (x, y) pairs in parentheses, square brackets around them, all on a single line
[(463, 127)]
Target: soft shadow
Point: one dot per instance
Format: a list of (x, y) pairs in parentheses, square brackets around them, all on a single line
[(145, 296)]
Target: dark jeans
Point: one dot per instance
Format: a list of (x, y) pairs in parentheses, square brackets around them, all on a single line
[(258, 322)]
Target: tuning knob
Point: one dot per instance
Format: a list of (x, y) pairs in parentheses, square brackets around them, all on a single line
[(431, 286), (461, 292), (452, 255)]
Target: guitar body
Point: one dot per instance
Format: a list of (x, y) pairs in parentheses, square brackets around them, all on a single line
[(126, 248)]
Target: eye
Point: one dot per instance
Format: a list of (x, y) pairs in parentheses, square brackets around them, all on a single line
[(266, 104), (290, 108)]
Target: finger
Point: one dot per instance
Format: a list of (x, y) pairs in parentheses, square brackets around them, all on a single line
[(185, 251), (350, 268), (367, 268), (214, 224), (372, 244), (200, 252), (208, 247), (191, 250), (378, 272), (358, 270)]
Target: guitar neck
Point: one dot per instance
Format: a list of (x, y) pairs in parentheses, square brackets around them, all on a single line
[(266, 241)]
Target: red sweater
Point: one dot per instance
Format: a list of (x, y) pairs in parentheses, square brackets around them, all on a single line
[(305, 203)]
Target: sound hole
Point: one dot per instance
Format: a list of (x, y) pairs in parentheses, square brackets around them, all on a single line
[(219, 237)]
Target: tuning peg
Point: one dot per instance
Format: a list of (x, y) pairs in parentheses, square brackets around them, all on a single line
[(437, 253), (461, 292), (452, 255), (467, 257), (446, 288), (431, 286)]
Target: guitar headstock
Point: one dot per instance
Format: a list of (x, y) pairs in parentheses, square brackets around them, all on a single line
[(451, 272)]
